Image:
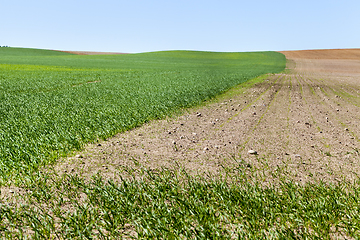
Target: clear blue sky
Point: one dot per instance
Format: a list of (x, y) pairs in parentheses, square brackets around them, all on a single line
[(142, 26)]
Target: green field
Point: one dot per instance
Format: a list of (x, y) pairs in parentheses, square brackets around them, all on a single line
[(53, 102)]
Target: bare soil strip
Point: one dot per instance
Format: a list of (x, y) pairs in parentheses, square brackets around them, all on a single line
[(304, 123)]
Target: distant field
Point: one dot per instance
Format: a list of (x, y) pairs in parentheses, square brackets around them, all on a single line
[(353, 54), (92, 53), (55, 102)]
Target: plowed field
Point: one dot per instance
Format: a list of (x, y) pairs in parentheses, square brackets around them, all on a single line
[(304, 123)]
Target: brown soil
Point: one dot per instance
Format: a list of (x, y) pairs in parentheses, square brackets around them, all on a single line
[(303, 123), (324, 54), (92, 53)]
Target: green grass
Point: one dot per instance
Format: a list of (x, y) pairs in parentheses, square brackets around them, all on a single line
[(171, 204), (54, 103), (23, 52), (166, 60)]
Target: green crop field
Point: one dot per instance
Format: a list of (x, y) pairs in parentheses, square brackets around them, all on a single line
[(54, 102)]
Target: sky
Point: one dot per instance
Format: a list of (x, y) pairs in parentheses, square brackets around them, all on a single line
[(134, 26)]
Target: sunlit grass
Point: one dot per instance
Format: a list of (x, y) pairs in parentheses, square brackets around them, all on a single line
[(170, 203)]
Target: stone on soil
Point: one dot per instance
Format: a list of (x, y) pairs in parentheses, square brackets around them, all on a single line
[(252, 152)]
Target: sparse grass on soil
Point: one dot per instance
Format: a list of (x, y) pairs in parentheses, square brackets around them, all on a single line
[(171, 204)]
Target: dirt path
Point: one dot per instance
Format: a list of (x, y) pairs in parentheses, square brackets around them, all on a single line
[(304, 123)]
